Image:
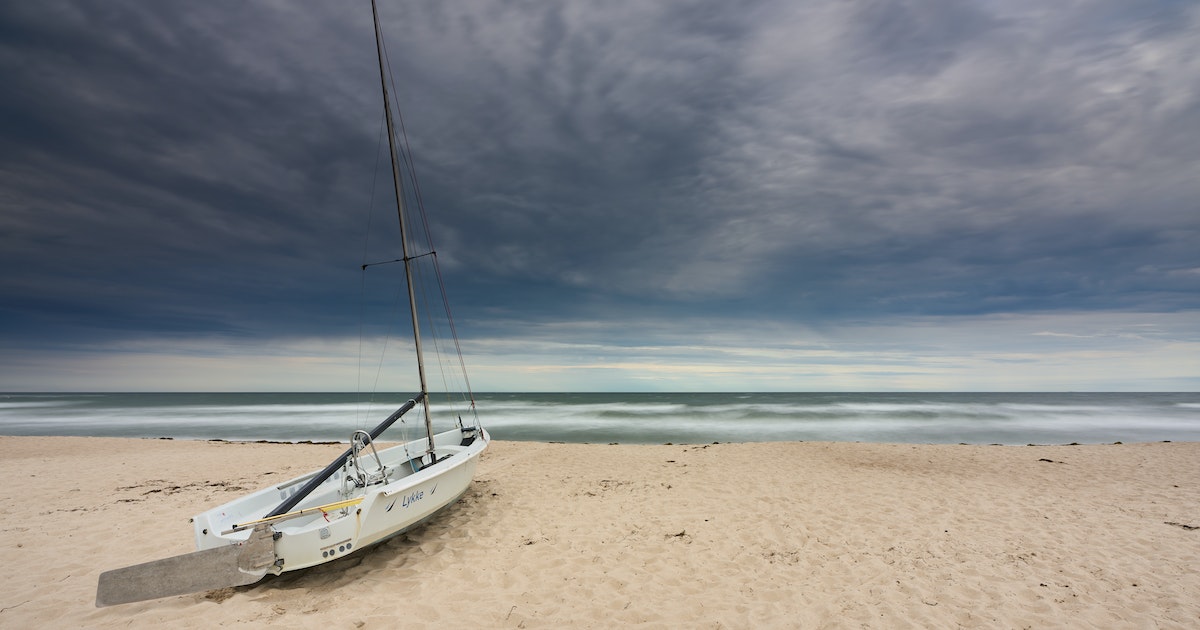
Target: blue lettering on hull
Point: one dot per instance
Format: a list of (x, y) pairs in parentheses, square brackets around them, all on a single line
[(412, 498)]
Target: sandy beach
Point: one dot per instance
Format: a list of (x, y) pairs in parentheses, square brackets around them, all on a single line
[(790, 535)]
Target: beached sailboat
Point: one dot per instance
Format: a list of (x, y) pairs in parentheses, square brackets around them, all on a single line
[(362, 497)]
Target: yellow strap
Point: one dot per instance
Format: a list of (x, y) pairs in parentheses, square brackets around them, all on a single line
[(270, 519)]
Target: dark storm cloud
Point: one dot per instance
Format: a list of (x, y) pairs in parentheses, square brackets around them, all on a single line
[(168, 166), (204, 167), (1026, 168), (859, 155)]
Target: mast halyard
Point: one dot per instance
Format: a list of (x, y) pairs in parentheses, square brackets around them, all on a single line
[(396, 185)]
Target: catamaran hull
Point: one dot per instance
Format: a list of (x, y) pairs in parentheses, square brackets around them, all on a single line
[(318, 535)]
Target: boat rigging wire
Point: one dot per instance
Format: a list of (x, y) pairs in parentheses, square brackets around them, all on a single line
[(405, 153), (364, 413), (388, 262)]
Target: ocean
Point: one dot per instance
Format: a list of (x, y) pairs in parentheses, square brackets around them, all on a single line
[(638, 418)]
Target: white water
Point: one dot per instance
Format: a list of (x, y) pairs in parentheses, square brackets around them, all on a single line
[(628, 418)]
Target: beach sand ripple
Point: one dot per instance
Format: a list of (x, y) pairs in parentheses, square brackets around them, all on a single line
[(787, 535)]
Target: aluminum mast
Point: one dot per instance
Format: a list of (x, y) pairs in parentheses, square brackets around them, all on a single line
[(396, 185)]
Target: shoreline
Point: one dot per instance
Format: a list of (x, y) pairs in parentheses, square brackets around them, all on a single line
[(389, 442), (722, 535)]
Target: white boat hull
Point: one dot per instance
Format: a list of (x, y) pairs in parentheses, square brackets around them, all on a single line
[(314, 532)]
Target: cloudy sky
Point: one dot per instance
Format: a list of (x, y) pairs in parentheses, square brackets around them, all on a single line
[(671, 195)]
